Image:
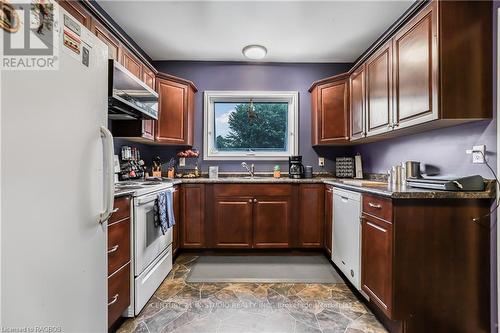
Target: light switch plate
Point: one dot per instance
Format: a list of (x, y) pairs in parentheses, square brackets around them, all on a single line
[(321, 161)]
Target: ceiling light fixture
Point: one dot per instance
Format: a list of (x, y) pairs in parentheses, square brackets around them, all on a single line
[(254, 52)]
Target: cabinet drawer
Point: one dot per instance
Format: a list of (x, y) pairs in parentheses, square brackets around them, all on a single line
[(118, 245), (377, 206), (123, 205), (118, 293)]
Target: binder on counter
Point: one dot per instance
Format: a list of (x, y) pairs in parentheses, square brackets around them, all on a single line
[(470, 183)]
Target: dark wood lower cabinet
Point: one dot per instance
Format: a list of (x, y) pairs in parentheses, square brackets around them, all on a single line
[(426, 264), (118, 293), (253, 216), (233, 222), (178, 221), (311, 215), (376, 257), (193, 216), (119, 260), (271, 227)]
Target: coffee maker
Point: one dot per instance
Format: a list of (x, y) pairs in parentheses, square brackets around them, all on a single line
[(295, 167)]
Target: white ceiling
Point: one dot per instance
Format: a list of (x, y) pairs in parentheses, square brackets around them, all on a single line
[(292, 31)]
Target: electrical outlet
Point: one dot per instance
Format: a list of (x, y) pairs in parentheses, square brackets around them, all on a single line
[(321, 161), (182, 161), (478, 153)]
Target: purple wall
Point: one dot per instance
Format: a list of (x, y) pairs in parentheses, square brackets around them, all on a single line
[(443, 149), (252, 76)]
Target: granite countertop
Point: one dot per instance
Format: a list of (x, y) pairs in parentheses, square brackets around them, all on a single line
[(406, 192), (364, 186), (121, 193)]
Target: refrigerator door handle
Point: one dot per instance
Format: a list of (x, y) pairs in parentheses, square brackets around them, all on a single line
[(109, 191)]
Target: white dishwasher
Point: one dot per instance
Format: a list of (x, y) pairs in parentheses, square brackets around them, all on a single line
[(346, 251)]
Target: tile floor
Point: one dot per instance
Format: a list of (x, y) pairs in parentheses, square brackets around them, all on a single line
[(178, 306)]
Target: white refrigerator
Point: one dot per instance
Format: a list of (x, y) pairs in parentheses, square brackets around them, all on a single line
[(56, 191)]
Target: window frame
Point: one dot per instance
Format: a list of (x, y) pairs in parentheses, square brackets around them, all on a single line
[(211, 96)]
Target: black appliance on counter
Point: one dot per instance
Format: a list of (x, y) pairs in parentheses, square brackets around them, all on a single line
[(295, 167)]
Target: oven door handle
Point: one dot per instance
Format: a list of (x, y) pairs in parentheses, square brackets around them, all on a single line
[(145, 200)]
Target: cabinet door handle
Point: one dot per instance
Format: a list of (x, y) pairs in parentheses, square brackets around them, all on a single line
[(114, 300), (254, 200), (374, 205), (249, 200), (113, 249)]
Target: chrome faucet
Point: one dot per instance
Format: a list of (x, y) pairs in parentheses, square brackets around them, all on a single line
[(251, 169)]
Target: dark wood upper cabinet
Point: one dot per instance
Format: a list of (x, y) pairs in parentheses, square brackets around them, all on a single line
[(330, 111), (271, 228), (376, 257), (416, 70), (233, 222), (175, 124), (148, 129), (148, 77), (75, 9), (148, 125), (357, 97), (311, 215), (114, 46), (435, 70), (193, 216), (379, 91), (328, 219), (132, 64)]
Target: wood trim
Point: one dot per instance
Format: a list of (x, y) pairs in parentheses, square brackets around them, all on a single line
[(176, 79), (359, 72), (338, 77)]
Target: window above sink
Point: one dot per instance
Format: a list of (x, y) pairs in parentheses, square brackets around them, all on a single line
[(250, 125)]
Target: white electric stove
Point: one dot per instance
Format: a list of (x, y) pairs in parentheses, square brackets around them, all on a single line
[(151, 249)]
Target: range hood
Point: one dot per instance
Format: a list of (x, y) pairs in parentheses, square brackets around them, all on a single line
[(128, 97)]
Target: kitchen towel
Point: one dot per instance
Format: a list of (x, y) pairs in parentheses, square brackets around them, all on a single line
[(160, 209), (170, 209)]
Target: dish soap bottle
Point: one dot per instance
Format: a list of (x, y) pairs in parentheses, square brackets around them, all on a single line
[(277, 171)]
